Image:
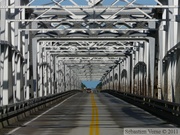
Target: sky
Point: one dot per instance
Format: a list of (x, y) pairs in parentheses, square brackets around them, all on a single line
[(84, 2), (93, 84)]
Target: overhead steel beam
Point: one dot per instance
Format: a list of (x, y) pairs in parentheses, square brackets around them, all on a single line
[(88, 55), (61, 20), (87, 7), (93, 62), (93, 39), (91, 29), (79, 12)]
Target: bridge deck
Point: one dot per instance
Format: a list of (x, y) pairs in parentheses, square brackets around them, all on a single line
[(86, 114)]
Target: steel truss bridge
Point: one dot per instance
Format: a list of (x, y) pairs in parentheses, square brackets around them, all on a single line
[(49, 49)]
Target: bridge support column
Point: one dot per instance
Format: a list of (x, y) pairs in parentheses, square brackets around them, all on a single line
[(168, 56), (132, 72), (141, 56), (146, 61), (61, 74), (160, 63), (70, 79), (3, 99), (177, 89), (14, 41), (19, 67), (26, 62), (40, 70), (14, 74), (6, 60), (135, 72), (57, 75), (26, 74), (45, 80), (152, 65), (19, 90), (162, 51), (172, 41), (113, 80), (45, 74), (1, 72), (7, 82), (64, 77), (177, 73), (49, 74), (108, 76), (52, 65), (128, 67)]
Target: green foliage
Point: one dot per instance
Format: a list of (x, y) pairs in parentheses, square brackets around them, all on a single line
[(83, 86), (99, 86)]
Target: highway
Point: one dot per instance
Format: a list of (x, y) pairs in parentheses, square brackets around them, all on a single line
[(86, 114)]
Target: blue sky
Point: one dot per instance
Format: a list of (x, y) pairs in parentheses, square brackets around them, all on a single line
[(92, 84), (84, 2)]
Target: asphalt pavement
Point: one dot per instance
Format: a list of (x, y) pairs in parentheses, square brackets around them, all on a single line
[(86, 114)]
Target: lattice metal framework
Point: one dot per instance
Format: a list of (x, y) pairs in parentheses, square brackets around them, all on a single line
[(91, 38)]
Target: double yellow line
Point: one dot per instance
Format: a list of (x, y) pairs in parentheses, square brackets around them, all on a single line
[(94, 126)]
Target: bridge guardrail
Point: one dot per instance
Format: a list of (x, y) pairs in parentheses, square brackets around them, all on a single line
[(164, 109), (9, 111)]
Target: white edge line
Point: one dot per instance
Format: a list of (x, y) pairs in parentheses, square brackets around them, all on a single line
[(14, 130)]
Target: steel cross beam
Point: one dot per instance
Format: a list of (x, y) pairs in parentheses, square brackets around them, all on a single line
[(87, 7), (105, 32), (88, 20), (93, 39)]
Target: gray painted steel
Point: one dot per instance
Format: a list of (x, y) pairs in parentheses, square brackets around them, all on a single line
[(49, 49), (74, 118)]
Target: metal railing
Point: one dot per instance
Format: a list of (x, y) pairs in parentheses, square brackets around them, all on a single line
[(9, 111), (166, 110)]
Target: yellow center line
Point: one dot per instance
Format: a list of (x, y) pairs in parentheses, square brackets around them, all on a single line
[(94, 126)]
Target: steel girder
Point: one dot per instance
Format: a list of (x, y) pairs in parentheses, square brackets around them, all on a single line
[(78, 35), (92, 21)]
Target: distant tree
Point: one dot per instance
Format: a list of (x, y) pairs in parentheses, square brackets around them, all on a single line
[(83, 86), (99, 86)]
